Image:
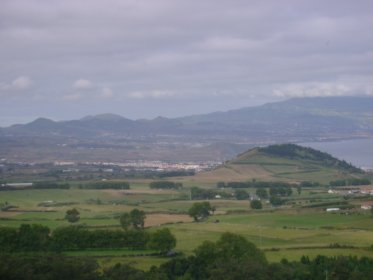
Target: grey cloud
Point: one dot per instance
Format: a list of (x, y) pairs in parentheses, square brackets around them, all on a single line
[(21, 83), (82, 84), (209, 52)]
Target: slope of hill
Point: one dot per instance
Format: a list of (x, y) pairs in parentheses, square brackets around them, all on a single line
[(285, 162)]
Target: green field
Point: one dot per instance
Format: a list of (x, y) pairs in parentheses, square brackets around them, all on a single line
[(290, 231)]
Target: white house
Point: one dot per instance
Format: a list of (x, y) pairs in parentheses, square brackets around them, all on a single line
[(366, 206), (332, 209)]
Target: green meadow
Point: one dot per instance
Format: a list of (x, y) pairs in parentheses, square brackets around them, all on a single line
[(286, 232)]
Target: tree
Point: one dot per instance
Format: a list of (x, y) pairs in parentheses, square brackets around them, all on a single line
[(138, 218), (72, 215), (276, 201), (241, 194), (200, 210), (162, 240), (134, 219), (33, 237), (123, 271), (220, 185), (262, 193), (256, 204), (231, 257), (125, 221)]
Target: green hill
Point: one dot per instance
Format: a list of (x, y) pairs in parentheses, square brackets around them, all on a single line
[(285, 162)]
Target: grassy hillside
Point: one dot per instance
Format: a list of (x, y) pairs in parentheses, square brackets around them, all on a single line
[(286, 162)]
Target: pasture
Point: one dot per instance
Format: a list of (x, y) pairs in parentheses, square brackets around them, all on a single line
[(290, 231)]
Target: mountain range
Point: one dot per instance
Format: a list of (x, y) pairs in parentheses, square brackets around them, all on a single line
[(213, 136), (300, 118)]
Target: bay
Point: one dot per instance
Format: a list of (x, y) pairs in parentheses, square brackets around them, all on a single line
[(359, 152)]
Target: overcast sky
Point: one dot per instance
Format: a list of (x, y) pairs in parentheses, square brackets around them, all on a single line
[(64, 59)]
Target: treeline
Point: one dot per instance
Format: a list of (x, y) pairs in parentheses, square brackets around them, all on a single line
[(39, 238), (48, 267), (50, 185), (231, 257), (165, 185), (107, 185), (350, 182), (332, 204), (295, 151), (176, 173), (255, 184), (199, 193)]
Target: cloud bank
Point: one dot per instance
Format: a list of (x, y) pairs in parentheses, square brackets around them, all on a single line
[(216, 54)]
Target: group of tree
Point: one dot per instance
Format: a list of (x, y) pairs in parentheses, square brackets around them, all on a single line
[(262, 193), (200, 193), (276, 200), (293, 151), (232, 257), (34, 238), (107, 185), (350, 182), (175, 173), (255, 184), (276, 195), (241, 194), (49, 185), (133, 220), (165, 185), (280, 191)]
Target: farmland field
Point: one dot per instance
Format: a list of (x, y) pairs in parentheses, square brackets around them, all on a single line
[(290, 231)]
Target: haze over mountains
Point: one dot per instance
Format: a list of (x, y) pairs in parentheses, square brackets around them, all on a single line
[(220, 134), (288, 120)]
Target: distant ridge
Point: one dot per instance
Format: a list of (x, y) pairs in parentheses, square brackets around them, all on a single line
[(105, 117), (298, 119)]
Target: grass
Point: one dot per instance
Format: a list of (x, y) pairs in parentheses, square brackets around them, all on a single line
[(143, 262), (288, 232), (254, 165), (109, 253)]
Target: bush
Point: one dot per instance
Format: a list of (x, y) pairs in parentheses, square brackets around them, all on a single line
[(162, 240), (276, 201), (72, 215), (256, 204), (241, 194)]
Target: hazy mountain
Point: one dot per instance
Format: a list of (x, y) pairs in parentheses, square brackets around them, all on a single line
[(300, 118), (214, 136)]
